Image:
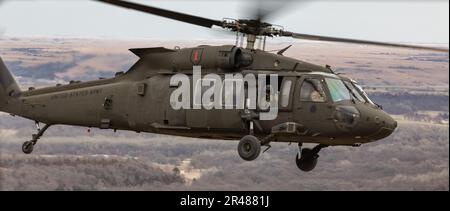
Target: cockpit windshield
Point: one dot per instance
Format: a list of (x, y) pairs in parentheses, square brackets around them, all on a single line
[(341, 90), (338, 90)]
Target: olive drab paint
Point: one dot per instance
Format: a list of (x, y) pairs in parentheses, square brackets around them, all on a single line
[(140, 99)]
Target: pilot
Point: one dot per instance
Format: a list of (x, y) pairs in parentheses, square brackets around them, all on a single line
[(312, 91), (316, 96)]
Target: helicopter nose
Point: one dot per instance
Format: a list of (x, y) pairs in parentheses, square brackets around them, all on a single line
[(390, 122), (394, 124), (386, 126)]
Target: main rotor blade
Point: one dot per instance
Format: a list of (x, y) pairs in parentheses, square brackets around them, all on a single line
[(363, 42), (264, 10), (199, 21)]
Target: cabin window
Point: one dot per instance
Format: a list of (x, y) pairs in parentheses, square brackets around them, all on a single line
[(285, 93), (312, 91), (227, 96), (230, 97)]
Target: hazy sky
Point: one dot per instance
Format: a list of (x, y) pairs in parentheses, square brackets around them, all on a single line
[(394, 22)]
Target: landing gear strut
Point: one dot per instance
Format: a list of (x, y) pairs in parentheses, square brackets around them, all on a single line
[(28, 146), (306, 158)]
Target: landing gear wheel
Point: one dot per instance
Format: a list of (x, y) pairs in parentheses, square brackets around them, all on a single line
[(307, 161), (249, 148), (27, 147)]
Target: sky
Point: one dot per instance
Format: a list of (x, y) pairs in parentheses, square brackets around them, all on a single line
[(400, 21)]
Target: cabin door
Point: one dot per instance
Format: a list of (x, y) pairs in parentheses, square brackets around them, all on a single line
[(311, 105)]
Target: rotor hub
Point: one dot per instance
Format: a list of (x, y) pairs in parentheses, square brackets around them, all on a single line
[(252, 27)]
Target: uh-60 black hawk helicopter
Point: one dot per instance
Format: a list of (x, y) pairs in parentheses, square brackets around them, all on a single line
[(314, 105)]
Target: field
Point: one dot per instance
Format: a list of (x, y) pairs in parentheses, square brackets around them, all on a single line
[(416, 157)]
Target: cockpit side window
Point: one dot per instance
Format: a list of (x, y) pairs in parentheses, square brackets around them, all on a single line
[(312, 90)]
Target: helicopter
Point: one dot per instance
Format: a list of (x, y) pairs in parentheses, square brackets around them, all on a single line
[(251, 95)]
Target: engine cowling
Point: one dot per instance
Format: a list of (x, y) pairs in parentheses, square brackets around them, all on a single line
[(227, 58), (233, 59)]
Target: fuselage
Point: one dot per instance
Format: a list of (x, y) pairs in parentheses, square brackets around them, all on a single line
[(139, 100)]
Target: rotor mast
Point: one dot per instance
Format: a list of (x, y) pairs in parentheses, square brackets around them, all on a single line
[(254, 32), (251, 40)]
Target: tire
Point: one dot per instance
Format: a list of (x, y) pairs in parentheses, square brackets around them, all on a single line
[(249, 148), (307, 162), (27, 147)]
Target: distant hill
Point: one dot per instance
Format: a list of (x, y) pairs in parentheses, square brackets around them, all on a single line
[(47, 61)]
